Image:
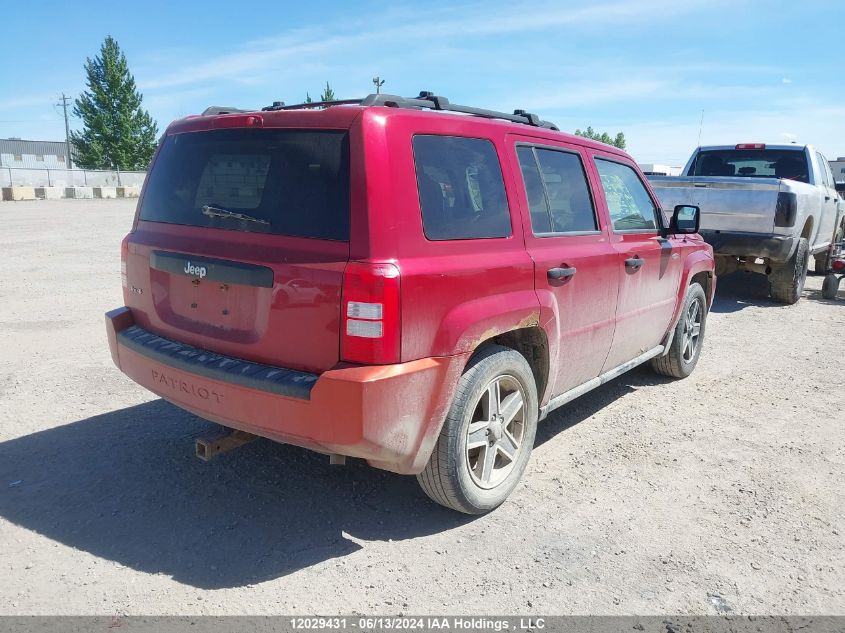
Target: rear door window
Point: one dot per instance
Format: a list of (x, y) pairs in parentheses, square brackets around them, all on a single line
[(628, 202), (461, 191), (558, 194), (824, 178), (255, 180)]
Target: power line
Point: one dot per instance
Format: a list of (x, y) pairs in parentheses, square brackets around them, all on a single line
[(67, 129)]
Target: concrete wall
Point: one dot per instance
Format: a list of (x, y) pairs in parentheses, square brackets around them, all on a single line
[(13, 177)]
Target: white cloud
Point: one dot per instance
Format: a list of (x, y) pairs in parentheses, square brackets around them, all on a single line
[(26, 101), (786, 80), (424, 30), (578, 94)]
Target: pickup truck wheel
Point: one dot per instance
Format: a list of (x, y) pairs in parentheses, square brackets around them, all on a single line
[(488, 434), (685, 347), (830, 286), (786, 282)]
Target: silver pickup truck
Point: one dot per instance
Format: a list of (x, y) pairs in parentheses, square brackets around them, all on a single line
[(764, 208)]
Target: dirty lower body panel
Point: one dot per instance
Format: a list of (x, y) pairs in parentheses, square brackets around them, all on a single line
[(389, 415)]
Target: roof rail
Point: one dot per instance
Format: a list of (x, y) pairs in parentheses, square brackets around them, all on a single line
[(221, 110), (434, 102), (426, 100), (280, 105)]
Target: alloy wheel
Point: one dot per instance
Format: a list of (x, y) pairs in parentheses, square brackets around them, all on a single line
[(496, 431)]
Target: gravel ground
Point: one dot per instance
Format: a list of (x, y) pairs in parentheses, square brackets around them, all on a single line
[(722, 493)]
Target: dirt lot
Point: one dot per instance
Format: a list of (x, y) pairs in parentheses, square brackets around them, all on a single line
[(720, 492)]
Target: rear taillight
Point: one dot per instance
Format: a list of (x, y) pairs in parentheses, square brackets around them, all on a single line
[(838, 265), (751, 146), (124, 249), (786, 209), (370, 323)]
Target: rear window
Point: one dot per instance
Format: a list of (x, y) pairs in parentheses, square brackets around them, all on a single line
[(273, 181), (752, 163), (462, 195)]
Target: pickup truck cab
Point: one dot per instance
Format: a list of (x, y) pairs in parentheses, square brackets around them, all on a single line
[(765, 208), (405, 281)]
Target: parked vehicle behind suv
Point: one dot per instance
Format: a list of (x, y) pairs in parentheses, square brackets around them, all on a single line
[(772, 203), (390, 280)]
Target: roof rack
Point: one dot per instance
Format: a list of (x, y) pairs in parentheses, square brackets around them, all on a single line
[(425, 99), (280, 105), (431, 101)]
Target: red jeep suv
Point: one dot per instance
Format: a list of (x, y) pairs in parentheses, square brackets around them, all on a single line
[(404, 280)]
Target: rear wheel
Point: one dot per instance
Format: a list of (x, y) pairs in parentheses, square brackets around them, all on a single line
[(830, 286), (786, 282), (685, 347), (488, 434)]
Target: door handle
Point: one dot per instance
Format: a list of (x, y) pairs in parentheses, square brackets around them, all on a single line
[(634, 262), (561, 273), (827, 198)]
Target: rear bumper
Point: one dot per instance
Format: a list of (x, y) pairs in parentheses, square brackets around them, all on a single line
[(739, 244), (388, 415)]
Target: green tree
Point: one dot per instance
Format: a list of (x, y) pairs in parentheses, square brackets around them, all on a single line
[(328, 94), (308, 98), (604, 137), (116, 131)]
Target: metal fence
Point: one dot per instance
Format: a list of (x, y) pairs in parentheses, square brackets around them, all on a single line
[(21, 177)]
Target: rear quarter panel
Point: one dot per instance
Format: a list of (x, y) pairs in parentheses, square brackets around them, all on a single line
[(455, 293)]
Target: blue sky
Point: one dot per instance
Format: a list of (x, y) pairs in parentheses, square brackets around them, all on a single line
[(770, 71)]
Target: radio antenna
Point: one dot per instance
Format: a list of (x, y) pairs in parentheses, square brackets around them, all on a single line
[(700, 126)]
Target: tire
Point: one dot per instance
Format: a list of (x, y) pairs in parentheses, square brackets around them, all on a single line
[(455, 475), (830, 286), (685, 348), (786, 282)]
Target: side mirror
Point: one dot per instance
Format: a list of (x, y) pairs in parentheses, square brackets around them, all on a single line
[(685, 219)]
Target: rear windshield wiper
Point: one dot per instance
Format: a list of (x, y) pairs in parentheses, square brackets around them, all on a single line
[(217, 212)]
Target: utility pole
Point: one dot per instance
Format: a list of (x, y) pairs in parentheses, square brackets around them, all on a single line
[(67, 129), (378, 82)]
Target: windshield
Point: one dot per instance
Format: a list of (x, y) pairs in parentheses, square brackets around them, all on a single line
[(264, 181), (753, 163)]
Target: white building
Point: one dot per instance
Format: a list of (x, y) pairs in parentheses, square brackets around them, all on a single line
[(838, 168), (16, 152), (654, 169)]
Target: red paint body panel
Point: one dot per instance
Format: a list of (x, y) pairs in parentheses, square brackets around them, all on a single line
[(454, 295)]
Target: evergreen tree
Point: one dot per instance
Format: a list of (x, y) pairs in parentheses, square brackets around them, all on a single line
[(308, 98), (328, 94), (116, 131), (604, 137), (619, 141)]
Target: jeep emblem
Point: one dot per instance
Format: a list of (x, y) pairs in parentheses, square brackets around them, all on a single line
[(198, 271)]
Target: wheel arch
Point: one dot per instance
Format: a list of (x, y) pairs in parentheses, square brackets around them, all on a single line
[(699, 267), (807, 230), (533, 344)]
